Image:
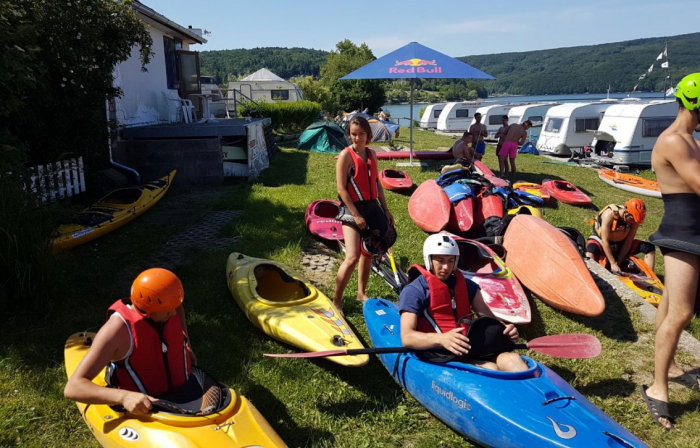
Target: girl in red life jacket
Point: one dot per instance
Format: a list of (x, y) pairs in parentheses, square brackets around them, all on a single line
[(433, 305), (145, 336), (359, 189)]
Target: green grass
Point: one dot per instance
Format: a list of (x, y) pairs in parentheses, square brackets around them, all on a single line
[(308, 403)]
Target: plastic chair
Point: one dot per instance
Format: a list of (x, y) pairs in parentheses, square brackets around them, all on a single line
[(178, 109)]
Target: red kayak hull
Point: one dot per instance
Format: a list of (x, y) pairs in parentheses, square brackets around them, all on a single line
[(486, 207), (566, 192), (395, 180), (461, 216), (320, 220), (489, 175), (429, 207)]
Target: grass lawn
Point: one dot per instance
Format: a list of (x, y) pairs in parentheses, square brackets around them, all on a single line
[(310, 403)]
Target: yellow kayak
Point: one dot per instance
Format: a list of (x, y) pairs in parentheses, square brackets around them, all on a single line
[(639, 277), (280, 302), (533, 189), (526, 210), (114, 210), (232, 421)]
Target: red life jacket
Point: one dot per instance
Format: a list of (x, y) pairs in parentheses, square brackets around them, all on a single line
[(362, 177), (445, 308), (158, 361)]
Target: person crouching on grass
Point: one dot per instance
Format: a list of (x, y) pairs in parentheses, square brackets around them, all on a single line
[(358, 189), (435, 306)]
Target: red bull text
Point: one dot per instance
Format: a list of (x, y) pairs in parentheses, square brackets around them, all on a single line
[(415, 66)]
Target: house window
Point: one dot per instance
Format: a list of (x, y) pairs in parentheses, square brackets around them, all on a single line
[(582, 124), (462, 113), (436, 113), (170, 47), (536, 120), (554, 125), (653, 127), (280, 95)]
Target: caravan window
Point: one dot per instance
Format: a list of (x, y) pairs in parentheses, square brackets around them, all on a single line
[(280, 95), (437, 112), (461, 113), (495, 120), (582, 124), (536, 120), (653, 127), (554, 125)]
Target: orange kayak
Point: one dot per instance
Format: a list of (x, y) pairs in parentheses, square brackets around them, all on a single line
[(429, 207), (629, 182), (545, 261)]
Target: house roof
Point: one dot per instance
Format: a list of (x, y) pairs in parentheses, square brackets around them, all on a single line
[(161, 19), (262, 75)]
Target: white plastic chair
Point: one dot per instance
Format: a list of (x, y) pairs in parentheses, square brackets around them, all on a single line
[(178, 109)]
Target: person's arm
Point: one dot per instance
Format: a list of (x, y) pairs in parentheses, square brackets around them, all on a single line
[(605, 224), (480, 307), (523, 137), (183, 324), (627, 244), (111, 342), (484, 131), (453, 341), (342, 168)]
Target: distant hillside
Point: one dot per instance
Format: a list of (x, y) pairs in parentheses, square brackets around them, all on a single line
[(558, 71)]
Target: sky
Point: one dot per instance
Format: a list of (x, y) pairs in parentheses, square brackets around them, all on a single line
[(456, 28)]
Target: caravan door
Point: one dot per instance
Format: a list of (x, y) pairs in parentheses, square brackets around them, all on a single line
[(247, 91)]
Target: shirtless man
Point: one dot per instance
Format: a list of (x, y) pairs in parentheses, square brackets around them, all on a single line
[(479, 131), (463, 149), (501, 136), (676, 160), (517, 133)]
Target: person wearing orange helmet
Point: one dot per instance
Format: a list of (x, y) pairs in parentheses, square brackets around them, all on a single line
[(676, 161), (143, 344), (614, 230)]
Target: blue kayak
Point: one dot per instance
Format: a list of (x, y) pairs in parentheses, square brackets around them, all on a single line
[(497, 409)]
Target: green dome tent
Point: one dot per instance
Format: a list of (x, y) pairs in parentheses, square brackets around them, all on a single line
[(323, 136)]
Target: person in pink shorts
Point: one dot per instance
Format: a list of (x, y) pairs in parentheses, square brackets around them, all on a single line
[(517, 133)]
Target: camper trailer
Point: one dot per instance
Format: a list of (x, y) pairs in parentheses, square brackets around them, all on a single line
[(431, 115), (628, 131), (491, 116), (217, 104), (534, 112), (263, 85), (456, 117), (565, 126)]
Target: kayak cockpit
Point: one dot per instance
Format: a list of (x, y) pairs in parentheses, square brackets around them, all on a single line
[(326, 209), (276, 286)]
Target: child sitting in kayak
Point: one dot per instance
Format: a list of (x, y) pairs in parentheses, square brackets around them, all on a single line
[(437, 309), (359, 189)]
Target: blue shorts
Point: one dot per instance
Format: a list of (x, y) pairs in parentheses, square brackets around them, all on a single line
[(481, 148)]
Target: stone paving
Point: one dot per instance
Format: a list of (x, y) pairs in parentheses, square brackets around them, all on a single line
[(319, 264)]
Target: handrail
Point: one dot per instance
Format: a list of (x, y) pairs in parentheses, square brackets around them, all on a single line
[(235, 100)]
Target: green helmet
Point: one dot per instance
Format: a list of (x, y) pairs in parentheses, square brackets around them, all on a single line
[(688, 90)]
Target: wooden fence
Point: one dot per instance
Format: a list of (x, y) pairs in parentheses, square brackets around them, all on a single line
[(56, 180)]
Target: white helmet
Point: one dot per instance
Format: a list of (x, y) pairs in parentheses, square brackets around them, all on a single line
[(439, 244)]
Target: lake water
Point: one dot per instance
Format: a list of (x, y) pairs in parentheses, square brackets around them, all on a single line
[(403, 110)]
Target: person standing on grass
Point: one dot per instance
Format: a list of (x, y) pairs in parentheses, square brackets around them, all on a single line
[(359, 190), (676, 160), (479, 132), (501, 135), (143, 344), (515, 137)]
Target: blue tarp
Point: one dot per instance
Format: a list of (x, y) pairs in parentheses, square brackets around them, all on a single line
[(529, 148)]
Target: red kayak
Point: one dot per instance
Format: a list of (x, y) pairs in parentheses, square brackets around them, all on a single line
[(395, 180), (566, 192), (462, 215), (320, 219), (489, 175), (486, 207), (429, 207), (500, 289), (420, 155)]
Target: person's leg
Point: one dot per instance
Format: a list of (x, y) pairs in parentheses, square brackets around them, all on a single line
[(674, 314), (510, 362), (512, 169), (501, 165), (352, 256), (364, 270)]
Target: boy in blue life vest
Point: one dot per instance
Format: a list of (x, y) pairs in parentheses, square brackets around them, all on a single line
[(438, 307), (144, 341)]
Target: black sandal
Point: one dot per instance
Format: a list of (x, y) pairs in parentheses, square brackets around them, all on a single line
[(657, 408)]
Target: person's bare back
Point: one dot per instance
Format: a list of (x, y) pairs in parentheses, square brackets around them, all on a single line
[(516, 133)]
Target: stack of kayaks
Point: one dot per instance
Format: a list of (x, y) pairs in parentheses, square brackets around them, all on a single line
[(234, 423), (482, 169), (639, 277), (566, 192), (117, 208), (320, 220), (533, 408), (395, 180), (548, 264), (629, 182), (284, 305)]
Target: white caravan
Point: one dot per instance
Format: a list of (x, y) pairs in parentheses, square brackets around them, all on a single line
[(456, 117), (431, 115), (534, 112), (491, 116), (628, 131), (565, 126), (263, 85)]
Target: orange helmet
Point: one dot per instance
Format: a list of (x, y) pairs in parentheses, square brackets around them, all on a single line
[(156, 290), (637, 209)]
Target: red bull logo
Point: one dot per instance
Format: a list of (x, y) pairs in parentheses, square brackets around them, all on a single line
[(415, 66)]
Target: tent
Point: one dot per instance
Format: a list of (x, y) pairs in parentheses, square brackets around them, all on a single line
[(529, 148), (262, 75), (323, 136), (382, 131)]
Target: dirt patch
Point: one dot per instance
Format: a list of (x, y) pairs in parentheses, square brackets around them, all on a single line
[(319, 263)]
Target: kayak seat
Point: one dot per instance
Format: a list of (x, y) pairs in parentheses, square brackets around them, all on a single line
[(123, 196), (326, 209), (276, 285), (394, 174), (474, 258), (201, 395)]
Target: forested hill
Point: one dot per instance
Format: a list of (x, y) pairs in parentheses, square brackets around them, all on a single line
[(284, 62), (557, 71)]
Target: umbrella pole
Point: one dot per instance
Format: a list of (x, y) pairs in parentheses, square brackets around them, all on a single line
[(411, 124)]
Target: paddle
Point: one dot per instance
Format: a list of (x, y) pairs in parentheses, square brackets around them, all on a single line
[(573, 346), (393, 269)]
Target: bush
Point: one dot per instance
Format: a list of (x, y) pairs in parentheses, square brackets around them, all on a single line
[(286, 117)]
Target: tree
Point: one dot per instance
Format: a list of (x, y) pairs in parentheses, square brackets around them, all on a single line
[(316, 92), (355, 94)]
